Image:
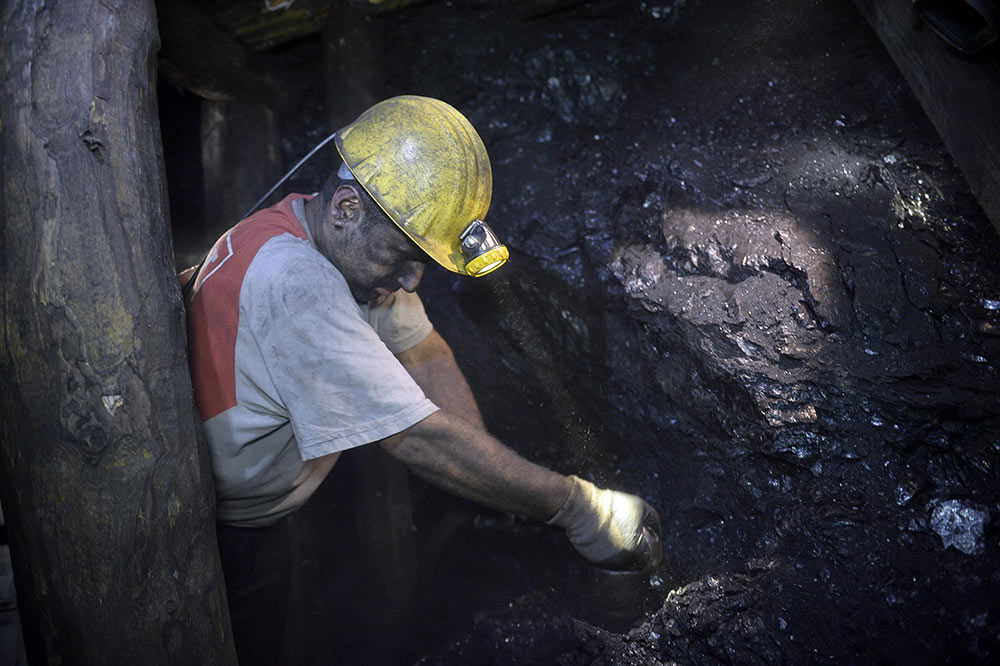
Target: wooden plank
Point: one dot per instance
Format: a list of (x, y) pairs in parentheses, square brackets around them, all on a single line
[(535, 8), (385, 526), (240, 158), (353, 64), (264, 25), (353, 78), (960, 95), (197, 54), (383, 6)]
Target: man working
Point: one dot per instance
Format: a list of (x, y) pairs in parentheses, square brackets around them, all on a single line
[(306, 339)]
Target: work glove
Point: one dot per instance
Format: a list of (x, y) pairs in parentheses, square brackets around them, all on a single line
[(610, 528)]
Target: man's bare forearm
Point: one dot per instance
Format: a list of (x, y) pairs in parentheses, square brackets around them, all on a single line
[(432, 365), (463, 458), (453, 450)]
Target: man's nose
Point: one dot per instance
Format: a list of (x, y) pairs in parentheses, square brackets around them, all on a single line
[(410, 276)]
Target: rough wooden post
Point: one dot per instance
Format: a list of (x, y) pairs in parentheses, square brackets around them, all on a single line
[(106, 487), (960, 95), (352, 63), (385, 519), (354, 81), (201, 56), (240, 159)]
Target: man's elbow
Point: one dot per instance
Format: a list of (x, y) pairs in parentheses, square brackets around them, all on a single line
[(413, 446)]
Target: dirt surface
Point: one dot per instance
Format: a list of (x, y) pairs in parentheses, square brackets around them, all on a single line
[(749, 284)]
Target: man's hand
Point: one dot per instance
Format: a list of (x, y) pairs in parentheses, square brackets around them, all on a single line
[(185, 275), (610, 528)]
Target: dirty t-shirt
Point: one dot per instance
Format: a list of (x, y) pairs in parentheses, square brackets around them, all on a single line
[(287, 368)]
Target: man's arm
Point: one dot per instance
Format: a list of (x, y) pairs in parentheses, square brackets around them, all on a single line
[(607, 527), (457, 453), (432, 365), (452, 450), (462, 458)]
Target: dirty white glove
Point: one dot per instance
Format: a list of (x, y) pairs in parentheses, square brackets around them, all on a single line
[(610, 528)]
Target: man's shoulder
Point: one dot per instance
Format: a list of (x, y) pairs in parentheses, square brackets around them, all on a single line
[(287, 259), (289, 276), (225, 268)]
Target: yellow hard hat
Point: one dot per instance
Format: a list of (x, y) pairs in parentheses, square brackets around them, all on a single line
[(426, 167)]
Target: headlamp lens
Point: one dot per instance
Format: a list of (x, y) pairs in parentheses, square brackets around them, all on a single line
[(483, 252)]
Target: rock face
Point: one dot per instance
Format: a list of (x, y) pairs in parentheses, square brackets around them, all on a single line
[(748, 283)]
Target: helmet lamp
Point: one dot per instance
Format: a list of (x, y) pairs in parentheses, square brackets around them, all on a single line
[(483, 252)]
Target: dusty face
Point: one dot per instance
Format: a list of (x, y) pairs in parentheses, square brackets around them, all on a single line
[(371, 252), (383, 259)]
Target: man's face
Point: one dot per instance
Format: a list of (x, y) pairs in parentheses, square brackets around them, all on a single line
[(371, 252), (382, 259)]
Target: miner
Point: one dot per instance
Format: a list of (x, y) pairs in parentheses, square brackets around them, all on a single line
[(307, 338)]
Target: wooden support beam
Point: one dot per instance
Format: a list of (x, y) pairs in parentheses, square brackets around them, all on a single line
[(197, 54), (240, 158), (354, 72), (533, 8), (264, 25), (106, 482), (960, 95), (352, 64), (385, 526), (383, 6)]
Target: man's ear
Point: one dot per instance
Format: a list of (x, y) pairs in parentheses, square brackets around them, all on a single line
[(345, 205)]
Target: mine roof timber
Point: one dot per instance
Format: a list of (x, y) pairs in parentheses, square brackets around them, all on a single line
[(217, 48), (960, 95), (264, 24), (199, 55)]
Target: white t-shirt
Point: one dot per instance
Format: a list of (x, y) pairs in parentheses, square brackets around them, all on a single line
[(288, 368)]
